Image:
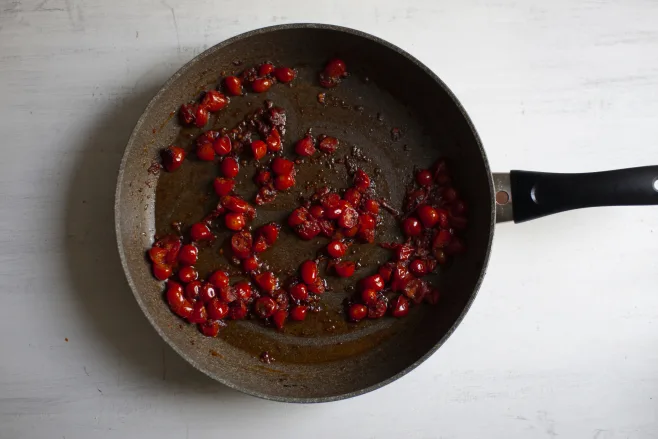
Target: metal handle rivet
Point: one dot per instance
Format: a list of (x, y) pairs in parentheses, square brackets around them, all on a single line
[(502, 198)]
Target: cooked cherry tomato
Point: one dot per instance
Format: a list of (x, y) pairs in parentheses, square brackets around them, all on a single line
[(200, 232), (399, 306), (223, 186), (309, 272), (298, 313), (282, 166), (265, 69), (424, 177), (187, 274), (284, 182), (357, 312), (235, 221), (328, 145), (201, 116), (222, 145), (258, 149), (205, 152), (335, 68), (428, 215), (229, 167), (214, 101), (305, 147), (361, 180), (412, 227), (188, 254), (374, 282), (264, 307), (233, 85), (172, 158), (298, 291), (345, 268), (261, 85), (270, 232), (241, 244), (273, 141), (336, 249), (284, 74), (279, 318)]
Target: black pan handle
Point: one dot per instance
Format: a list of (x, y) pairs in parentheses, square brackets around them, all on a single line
[(525, 195)]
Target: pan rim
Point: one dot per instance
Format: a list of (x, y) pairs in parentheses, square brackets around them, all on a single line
[(131, 145)]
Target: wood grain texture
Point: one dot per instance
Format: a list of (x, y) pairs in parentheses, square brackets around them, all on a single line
[(563, 339)]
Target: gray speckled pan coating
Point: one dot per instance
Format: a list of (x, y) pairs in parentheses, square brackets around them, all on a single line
[(434, 124)]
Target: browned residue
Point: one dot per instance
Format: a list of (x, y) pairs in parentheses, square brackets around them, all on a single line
[(155, 167), (166, 121), (266, 358), (266, 369), (214, 353)]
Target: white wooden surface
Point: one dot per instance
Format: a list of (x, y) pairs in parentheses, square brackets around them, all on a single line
[(563, 339)]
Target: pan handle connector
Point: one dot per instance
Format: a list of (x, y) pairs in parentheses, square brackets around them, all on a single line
[(503, 195), (537, 194)]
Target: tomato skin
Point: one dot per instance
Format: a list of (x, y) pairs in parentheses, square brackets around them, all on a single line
[(187, 113), (261, 85), (188, 254), (201, 232), (345, 268), (305, 147), (357, 312), (172, 158), (223, 186), (265, 307), (298, 291), (258, 149), (335, 68), (309, 272), (205, 152), (284, 74), (328, 145), (265, 69), (400, 306), (374, 282), (229, 167), (279, 318), (273, 141), (233, 85), (282, 166), (298, 313), (284, 182), (418, 267), (412, 227), (187, 274), (241, 244), (424, 177), (174, 295), (361, 180), (201, 116), (222, 145), (336, 249), (428, 215), (214, 101)]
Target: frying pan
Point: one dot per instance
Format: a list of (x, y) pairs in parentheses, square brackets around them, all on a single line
[(325, 358)]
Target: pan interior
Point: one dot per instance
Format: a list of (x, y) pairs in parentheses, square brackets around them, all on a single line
[(323, 358)]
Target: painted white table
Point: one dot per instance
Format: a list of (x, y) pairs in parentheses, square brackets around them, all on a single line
[(563, 338)]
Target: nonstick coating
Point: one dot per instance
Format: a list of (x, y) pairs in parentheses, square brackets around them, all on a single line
[(325, 358)]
